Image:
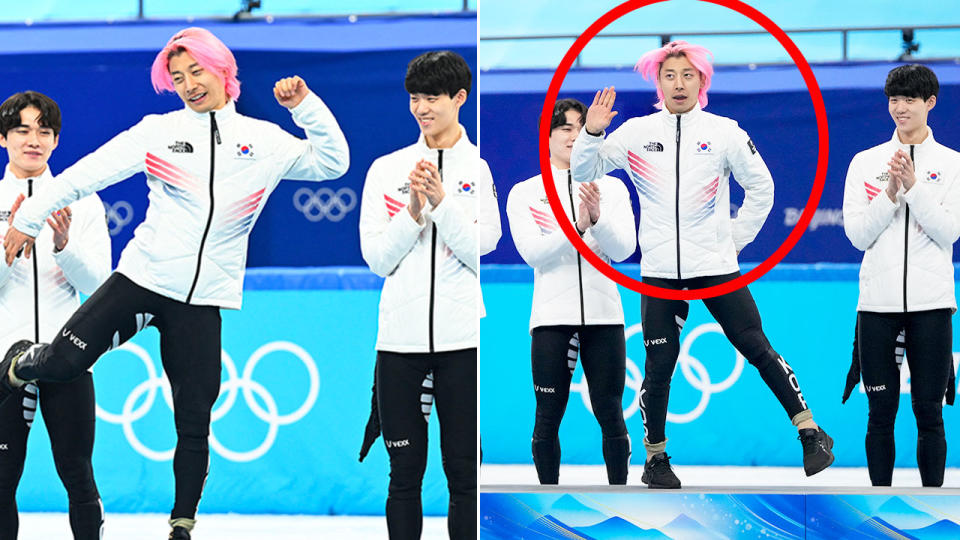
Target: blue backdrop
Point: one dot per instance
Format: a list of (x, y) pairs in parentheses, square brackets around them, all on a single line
[(99, 74), (771, 104), (295, 397)]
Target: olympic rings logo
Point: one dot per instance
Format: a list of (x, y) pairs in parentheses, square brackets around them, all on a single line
[(324, 203), (119, 214), (228, 390), (693, 371)]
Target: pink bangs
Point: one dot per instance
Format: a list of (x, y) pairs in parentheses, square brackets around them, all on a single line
[(207, 50), (700, 57)]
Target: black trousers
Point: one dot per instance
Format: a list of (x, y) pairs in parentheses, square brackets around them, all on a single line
[(189, 349), (929, 336), (400, 381), (602, 351), (737, 314), (69, 414)]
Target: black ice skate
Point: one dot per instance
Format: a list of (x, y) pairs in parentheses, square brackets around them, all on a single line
[(13, 354), (816, 450), (179, 533), (658, 474)]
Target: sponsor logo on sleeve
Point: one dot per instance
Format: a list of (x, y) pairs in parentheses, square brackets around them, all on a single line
[(751, 146)]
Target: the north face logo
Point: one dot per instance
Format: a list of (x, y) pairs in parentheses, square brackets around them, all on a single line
[(181, 147), (653, 146)]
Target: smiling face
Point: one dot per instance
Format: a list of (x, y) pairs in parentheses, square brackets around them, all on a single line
[(910, 113), (29, 144), (562, 137), (680, 83), (438, 116), (199, 88)]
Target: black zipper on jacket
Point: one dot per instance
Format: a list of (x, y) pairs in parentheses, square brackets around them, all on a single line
[(36, 281), (678, 197), (583, 319), (214, 141), (906, 240), (433, 254)]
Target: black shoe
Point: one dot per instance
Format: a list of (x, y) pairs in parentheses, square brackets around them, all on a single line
[(179, 533), (658, 474), (13, 353), (816, 450)]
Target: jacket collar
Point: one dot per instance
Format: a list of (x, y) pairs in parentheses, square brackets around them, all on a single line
[(21, 183), (928, 142), (462, 144), (226, 112), (686, 118)]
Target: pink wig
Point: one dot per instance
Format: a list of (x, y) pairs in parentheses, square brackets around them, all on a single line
[(207, 50), (700, 57)]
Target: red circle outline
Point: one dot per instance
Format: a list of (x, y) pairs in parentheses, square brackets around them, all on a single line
[(806, 216)]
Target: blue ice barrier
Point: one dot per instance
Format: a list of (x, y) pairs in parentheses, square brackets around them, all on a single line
[(299, 457), (808, 313)]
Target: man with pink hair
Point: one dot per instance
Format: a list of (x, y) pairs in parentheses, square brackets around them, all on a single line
[(209, 170), (680, 160)]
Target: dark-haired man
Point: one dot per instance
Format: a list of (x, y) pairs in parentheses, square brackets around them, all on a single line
[(901, 205), (428, 211), (576, 309), (36, 297)]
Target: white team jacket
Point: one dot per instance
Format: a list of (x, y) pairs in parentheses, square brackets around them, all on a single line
[(908, 264), (680, 166), (430, 294), (192, 244), (566, 289), (80, 268)]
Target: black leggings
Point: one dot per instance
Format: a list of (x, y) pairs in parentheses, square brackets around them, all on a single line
[(69, 414), (602, 351), (189, 348), (929, 336), (737, 314), (401, 402)]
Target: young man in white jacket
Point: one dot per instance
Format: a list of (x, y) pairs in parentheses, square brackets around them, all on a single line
[(576, 309), (901, 205), (680, 160), (210, 171), (428, 211), (36, 297)]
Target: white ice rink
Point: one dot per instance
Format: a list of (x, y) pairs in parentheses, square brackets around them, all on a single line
[(52, 526)]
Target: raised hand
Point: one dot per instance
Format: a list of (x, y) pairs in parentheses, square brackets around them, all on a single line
[(290, 91), (601, 112), (902, 166), (590, 195), (59, 221), (425, 178), (15, 241)]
